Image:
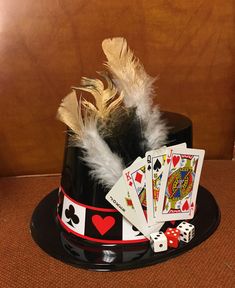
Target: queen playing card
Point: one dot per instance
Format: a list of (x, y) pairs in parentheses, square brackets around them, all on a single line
[(155, 161), (179, 184)]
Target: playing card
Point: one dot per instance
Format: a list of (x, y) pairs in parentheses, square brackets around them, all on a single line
[(179, 184), (134, 177), (154, 166), (155, 161), (120, 198)]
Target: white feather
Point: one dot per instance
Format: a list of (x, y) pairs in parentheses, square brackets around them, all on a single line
[(130, 77), (156, 130), (106, 167)]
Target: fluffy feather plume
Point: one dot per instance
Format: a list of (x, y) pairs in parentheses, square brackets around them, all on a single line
[(130, 77), (97, 153), (104, 98), (70, 113)]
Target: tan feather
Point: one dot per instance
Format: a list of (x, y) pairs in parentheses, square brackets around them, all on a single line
[(89, 106), (115, 104), (69, 112), (105, 99), (117, 51), (129, 75)]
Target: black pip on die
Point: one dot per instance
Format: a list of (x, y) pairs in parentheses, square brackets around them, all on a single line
[(187, 231), (158, 241)]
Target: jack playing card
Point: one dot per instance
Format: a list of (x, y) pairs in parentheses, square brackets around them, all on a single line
[(155, 161), (179, 184)]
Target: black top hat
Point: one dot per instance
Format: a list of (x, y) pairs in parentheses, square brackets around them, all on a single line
[(91, 247), (79, 226), (83, 210)]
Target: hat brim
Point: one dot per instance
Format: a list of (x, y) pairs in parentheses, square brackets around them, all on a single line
[(50, 237)]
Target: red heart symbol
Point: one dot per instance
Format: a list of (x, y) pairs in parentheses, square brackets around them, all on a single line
[(103, 224), (168, 160), (175, 160), (185, 207)]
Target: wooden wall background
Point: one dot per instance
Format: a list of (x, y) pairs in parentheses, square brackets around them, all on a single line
[(46, 46)]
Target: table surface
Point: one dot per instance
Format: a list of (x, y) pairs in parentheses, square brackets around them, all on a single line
[(24, 264)]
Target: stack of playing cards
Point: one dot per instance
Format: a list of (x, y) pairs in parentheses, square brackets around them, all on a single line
[(158, 188)]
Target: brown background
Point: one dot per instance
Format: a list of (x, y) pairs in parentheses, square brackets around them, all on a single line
[(46, 46)]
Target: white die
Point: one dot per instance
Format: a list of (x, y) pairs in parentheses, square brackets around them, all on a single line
[(187, 231), (158, 241)]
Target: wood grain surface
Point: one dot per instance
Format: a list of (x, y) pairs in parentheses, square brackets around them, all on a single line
[(46, 46)]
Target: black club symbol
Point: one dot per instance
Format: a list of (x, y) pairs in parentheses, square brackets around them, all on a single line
[(70, 214)]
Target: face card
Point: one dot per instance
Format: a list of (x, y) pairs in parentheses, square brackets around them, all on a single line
[(155, 161), (135, 180), (120, 198), (179, 184)]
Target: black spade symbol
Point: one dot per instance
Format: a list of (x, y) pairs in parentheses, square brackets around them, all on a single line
[(70, 214), (157, 165), (149, 167)]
